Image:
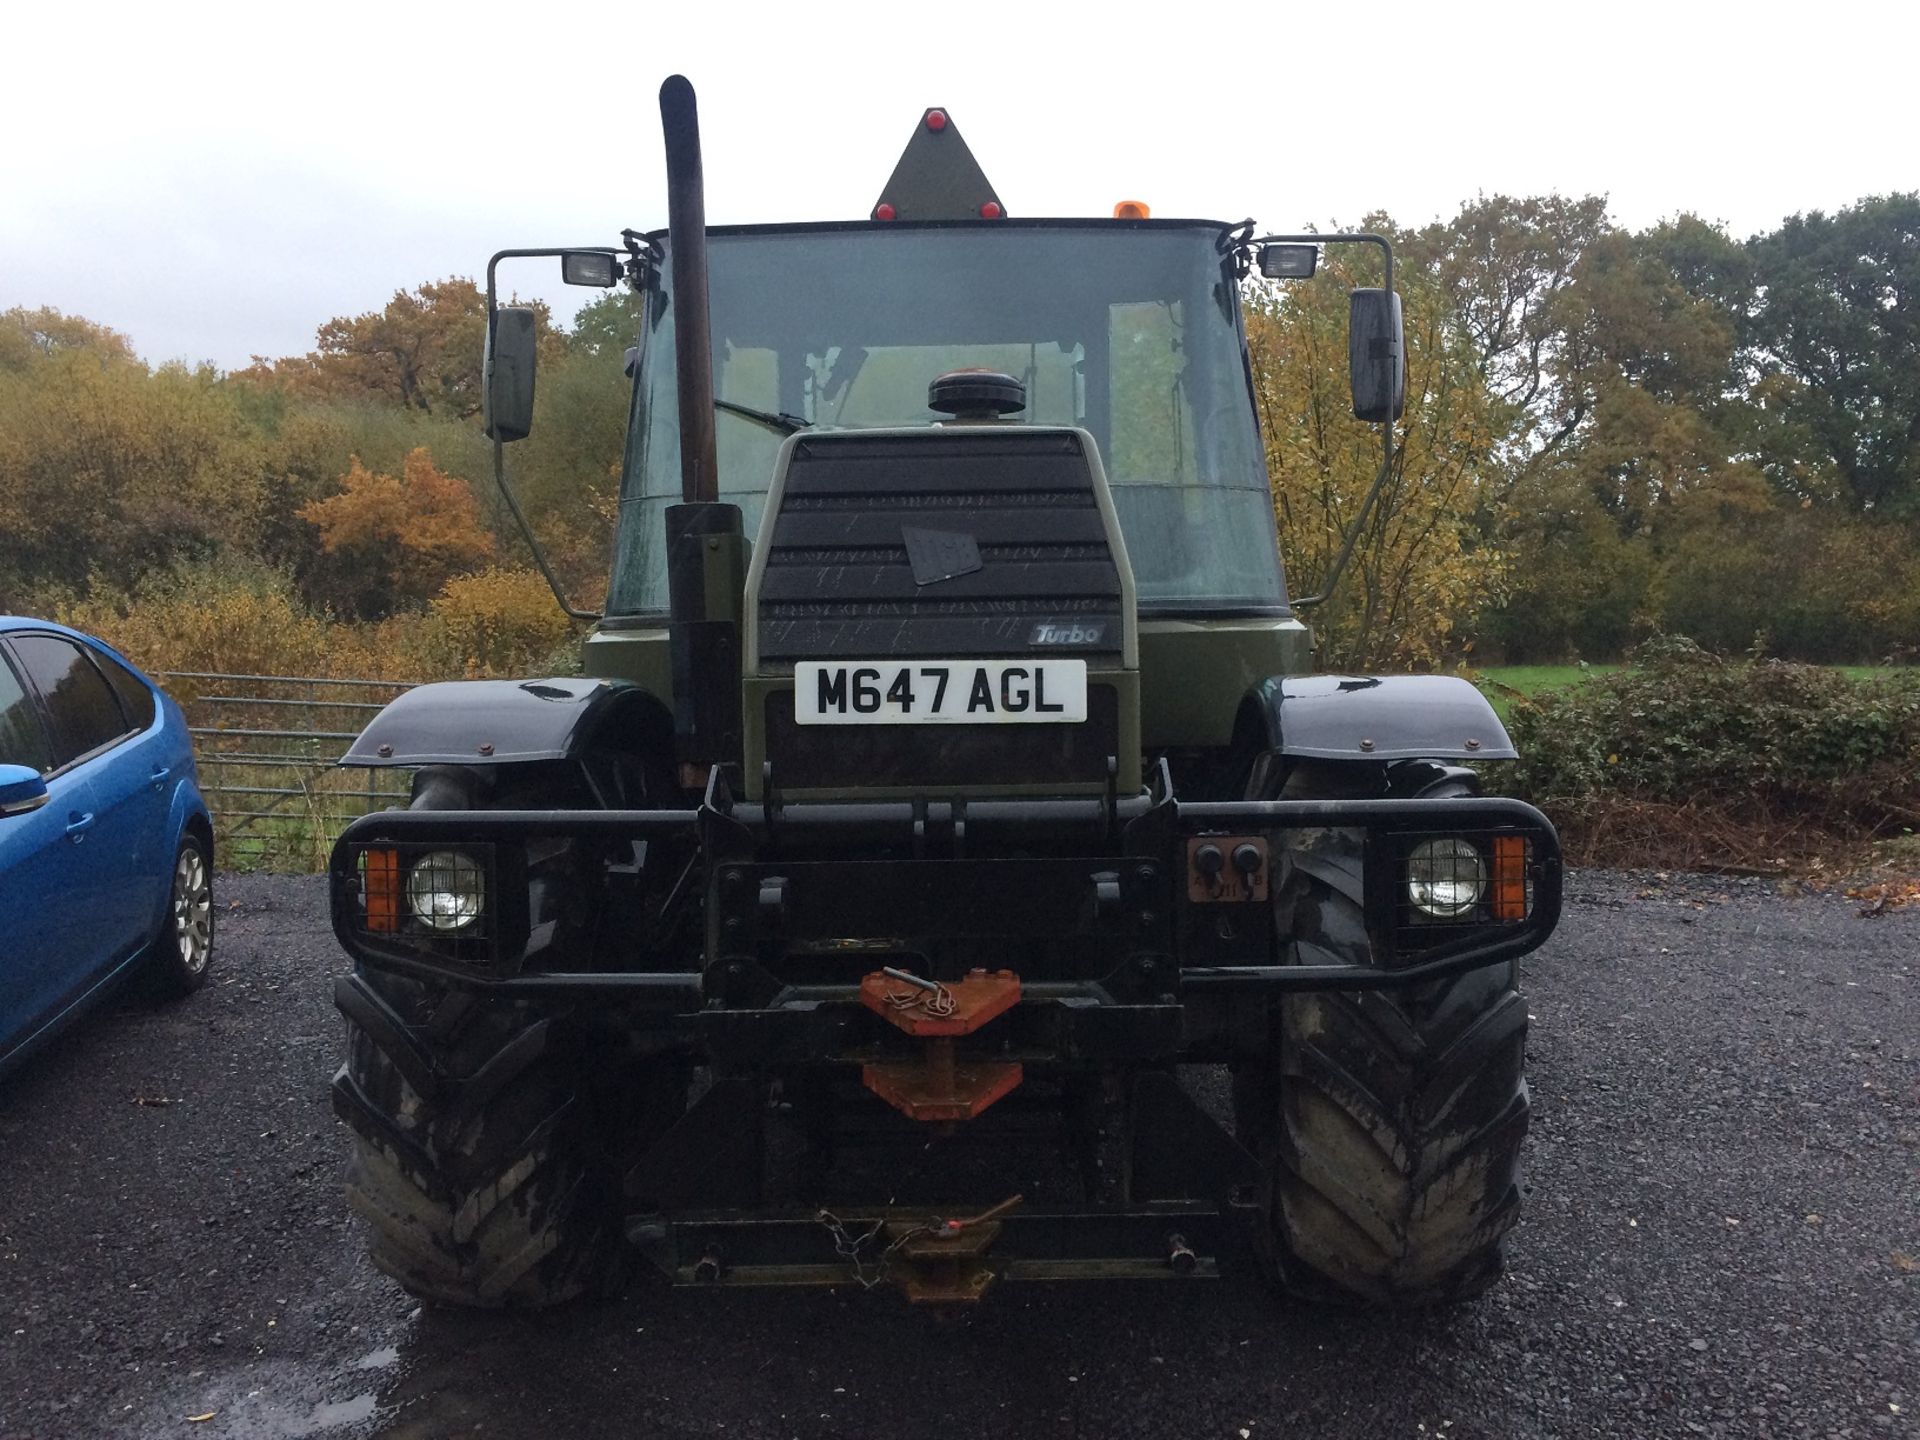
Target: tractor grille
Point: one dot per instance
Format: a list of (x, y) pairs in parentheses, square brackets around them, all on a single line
[(961, 543)]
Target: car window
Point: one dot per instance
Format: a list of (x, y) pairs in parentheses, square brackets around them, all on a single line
[(135, 698), (23, 740), (79, 701)]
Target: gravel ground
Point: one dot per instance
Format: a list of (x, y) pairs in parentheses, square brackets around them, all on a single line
[(1722, 1237)]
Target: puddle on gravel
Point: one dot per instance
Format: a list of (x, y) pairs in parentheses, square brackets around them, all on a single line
[(339, 1412), (281, 1401)]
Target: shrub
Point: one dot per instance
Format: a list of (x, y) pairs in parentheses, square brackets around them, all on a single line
[(501, 622), (212, 619), (249, 622), (1766, 741)]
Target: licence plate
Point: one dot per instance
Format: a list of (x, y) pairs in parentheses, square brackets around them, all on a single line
[(940, 692)]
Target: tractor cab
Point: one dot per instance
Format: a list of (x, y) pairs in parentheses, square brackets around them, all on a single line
[(1128, 330)]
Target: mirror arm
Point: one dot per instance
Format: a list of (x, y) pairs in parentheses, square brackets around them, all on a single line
[(526, 533), (1308, 602), (500, 457)]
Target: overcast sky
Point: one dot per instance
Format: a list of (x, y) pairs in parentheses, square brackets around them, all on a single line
[(217, 181)]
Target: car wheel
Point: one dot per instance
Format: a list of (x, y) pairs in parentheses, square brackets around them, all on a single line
[(184, 947)]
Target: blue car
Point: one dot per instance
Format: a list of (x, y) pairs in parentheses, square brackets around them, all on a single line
[(106, 846)]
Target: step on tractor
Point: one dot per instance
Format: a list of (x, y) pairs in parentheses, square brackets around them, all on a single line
[(946, 869)]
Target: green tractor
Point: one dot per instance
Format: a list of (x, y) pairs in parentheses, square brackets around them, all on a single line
[(947, 833)]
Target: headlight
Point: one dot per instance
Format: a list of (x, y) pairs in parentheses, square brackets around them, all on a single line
[(446, 890), (1445, 878)]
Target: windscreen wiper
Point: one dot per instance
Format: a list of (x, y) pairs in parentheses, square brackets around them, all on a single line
[(773, 419)]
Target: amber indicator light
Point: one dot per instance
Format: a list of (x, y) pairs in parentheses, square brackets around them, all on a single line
[(1132, 210), (381, 884), (1510, 877)]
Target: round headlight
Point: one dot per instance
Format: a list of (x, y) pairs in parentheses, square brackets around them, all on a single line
[(446, 890), (1445, 878)]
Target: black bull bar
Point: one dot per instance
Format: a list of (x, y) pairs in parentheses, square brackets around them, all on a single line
[(1113, 867), (1087, 869)]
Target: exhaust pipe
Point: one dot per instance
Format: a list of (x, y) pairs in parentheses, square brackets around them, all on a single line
[(692, 331), (706, 552)]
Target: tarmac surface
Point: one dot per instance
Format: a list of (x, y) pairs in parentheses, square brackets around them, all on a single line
[(1722, 1237)]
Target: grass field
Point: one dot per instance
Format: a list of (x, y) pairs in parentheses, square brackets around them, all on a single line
[(1498, 681)]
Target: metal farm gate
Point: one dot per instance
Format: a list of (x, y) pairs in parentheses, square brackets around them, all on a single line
[(268, 747)]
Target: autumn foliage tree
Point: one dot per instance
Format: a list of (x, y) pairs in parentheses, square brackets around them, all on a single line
[(397, 540), (424, 352), (1610, 433), (28, 336), (107, 466), (1417, 570)]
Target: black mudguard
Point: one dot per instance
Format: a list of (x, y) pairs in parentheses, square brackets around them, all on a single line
[(508, 722), (1379, 717)]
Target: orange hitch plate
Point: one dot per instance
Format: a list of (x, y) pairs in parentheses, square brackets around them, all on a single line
[(938, 1087)]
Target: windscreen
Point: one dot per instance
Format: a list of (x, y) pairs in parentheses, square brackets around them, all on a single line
[(1130, 332)]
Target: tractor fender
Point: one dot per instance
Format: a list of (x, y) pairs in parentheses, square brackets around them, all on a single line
[(1379, 717), (508, 722)]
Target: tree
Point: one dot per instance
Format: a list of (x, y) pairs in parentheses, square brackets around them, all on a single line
[(109, 467), (1418, 573), (425, 351), (1834, 339), (1509, 269), (397, 539), (606, 328), (1595, 523), (27, 336)]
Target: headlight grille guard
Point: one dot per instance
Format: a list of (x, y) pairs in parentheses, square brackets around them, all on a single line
[(371, 911)]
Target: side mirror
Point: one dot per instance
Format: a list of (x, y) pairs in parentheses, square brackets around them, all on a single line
[(509, 373), (22, 788), (1376, 349)]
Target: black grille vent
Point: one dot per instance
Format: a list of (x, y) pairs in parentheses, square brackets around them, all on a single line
[(1022, 546)]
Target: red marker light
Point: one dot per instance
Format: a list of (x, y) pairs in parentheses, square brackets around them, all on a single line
[(936, 119), (884, 211), (990, 210)]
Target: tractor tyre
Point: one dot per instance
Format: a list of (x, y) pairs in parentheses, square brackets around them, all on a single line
[(491, 1139), (1388, 1123), (481, 1163)]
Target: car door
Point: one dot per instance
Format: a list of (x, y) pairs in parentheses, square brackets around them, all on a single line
[(89, 731), (52, 935), (138, 772)]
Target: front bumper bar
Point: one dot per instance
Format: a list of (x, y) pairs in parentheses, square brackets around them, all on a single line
[(1112, 874)]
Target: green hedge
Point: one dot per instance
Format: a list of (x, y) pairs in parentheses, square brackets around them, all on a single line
[(1679, 726)]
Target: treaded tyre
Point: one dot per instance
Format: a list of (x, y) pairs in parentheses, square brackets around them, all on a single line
[(1388, 1123), (478, 1164), (491, 1138)]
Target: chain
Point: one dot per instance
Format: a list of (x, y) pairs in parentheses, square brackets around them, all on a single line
[(938, 1002), (928, 995), (848, 1246)]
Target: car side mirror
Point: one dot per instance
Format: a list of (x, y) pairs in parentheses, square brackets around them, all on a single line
[(22, 788), (1376, 355), (509, 373)]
